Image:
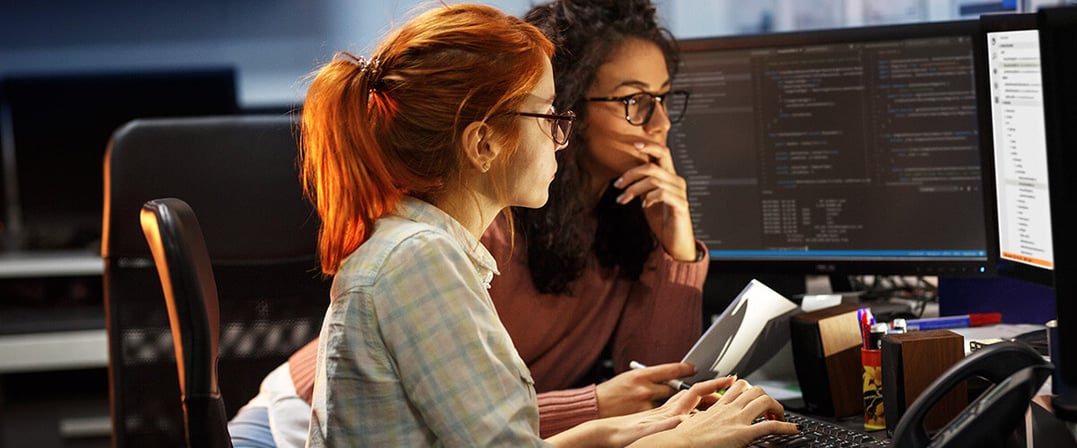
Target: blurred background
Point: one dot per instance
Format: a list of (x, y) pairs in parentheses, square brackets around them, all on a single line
[(274, 43), (53, 377)]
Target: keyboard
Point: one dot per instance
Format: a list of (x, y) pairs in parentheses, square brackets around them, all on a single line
[(818, 433)]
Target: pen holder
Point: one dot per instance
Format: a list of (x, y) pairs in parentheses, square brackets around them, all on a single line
[(874, 415)]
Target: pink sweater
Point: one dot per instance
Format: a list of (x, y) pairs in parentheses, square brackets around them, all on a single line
[(561, 337)]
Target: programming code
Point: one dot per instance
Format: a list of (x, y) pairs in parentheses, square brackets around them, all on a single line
[(862, 149)]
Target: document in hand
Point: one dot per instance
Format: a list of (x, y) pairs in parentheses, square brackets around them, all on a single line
[(749, 332)]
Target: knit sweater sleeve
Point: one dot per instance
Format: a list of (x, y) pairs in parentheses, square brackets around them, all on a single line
[(562, 409), (663, 316), (301, 365)]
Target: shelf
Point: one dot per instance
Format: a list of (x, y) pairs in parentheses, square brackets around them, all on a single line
[(50, 264), (54, 351)]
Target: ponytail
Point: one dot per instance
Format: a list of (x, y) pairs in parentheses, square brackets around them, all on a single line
[(375, 130), (340, 149)]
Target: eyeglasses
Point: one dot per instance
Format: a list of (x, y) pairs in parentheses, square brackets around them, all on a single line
[(639, 107), (560, 125)]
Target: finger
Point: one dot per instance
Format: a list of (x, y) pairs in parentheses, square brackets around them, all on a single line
[(734, 391), (725, 381), (765, 405), (646, 170), (771, 427), (681, 403), (662, 184), (664, 372), (708, 400), (635, 175), (660, 391), (749, 395), (703, 391), (710, 386), (665, 196), (658, 154)]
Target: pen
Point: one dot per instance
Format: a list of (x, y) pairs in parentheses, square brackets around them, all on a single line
[(962, 321), (675, 384), (867, 320)]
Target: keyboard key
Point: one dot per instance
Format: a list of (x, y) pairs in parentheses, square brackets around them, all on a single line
[(818, 434)]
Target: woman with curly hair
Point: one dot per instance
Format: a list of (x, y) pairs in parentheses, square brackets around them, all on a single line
[(612, 256)]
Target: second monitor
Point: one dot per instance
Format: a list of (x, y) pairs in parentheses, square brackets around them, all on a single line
[(852, 151)]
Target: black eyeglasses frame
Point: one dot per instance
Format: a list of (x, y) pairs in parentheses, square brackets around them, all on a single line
[(567, 115), (656, 99)]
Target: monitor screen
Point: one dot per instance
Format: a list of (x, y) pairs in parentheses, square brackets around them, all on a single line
[(56, 128), (851, 151), (1018, 142)]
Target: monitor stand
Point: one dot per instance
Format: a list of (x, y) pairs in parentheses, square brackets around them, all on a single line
[(1064, 408)]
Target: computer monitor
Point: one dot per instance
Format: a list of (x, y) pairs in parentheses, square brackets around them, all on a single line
[(849, 151), (1058, 31), (56, 128), (1018, 141)]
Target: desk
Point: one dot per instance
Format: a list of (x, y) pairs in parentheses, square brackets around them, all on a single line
[(778, 378)]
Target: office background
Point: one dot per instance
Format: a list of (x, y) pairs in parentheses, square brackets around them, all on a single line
[(274, 43)]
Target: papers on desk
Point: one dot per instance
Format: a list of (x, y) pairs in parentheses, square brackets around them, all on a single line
[(752, 328), (1003, 332), (1000, 331)]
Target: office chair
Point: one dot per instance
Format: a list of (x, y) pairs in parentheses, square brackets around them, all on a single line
[(240, 173), (179, 251)]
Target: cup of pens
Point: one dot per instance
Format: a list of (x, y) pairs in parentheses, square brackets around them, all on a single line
[(874, 416), (871, 360)]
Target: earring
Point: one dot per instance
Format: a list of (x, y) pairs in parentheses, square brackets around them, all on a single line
[(485, 166)]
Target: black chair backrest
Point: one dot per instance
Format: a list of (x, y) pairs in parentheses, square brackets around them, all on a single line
[(240, 173), (179, 251)]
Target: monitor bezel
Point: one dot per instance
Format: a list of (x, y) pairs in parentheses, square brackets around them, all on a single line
[(1003, 267), (779, 264), (1060, 106)]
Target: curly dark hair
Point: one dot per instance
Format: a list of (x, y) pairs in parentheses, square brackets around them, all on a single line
[(585, 32)]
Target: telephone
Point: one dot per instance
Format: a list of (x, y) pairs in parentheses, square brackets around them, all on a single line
[(1017, 372)]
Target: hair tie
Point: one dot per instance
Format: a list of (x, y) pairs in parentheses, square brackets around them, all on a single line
[(371, 68)]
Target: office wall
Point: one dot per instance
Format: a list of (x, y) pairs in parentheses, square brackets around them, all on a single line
[(274, 43), (270, 42)]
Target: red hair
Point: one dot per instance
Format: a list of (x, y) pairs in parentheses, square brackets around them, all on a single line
[(374, 130)]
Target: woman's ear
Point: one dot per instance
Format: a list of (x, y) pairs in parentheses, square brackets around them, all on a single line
[(479, 146)]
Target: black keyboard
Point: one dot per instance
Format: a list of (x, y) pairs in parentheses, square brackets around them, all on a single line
[(818, 433)]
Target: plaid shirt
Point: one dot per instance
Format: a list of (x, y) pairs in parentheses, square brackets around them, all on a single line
[(412, 352)]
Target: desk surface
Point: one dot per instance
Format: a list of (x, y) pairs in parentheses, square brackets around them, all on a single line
[(778, 376)]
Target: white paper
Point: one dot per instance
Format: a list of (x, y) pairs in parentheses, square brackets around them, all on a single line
[(732, 336)]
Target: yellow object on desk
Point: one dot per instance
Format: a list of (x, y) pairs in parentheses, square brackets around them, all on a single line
[(874, 413)]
